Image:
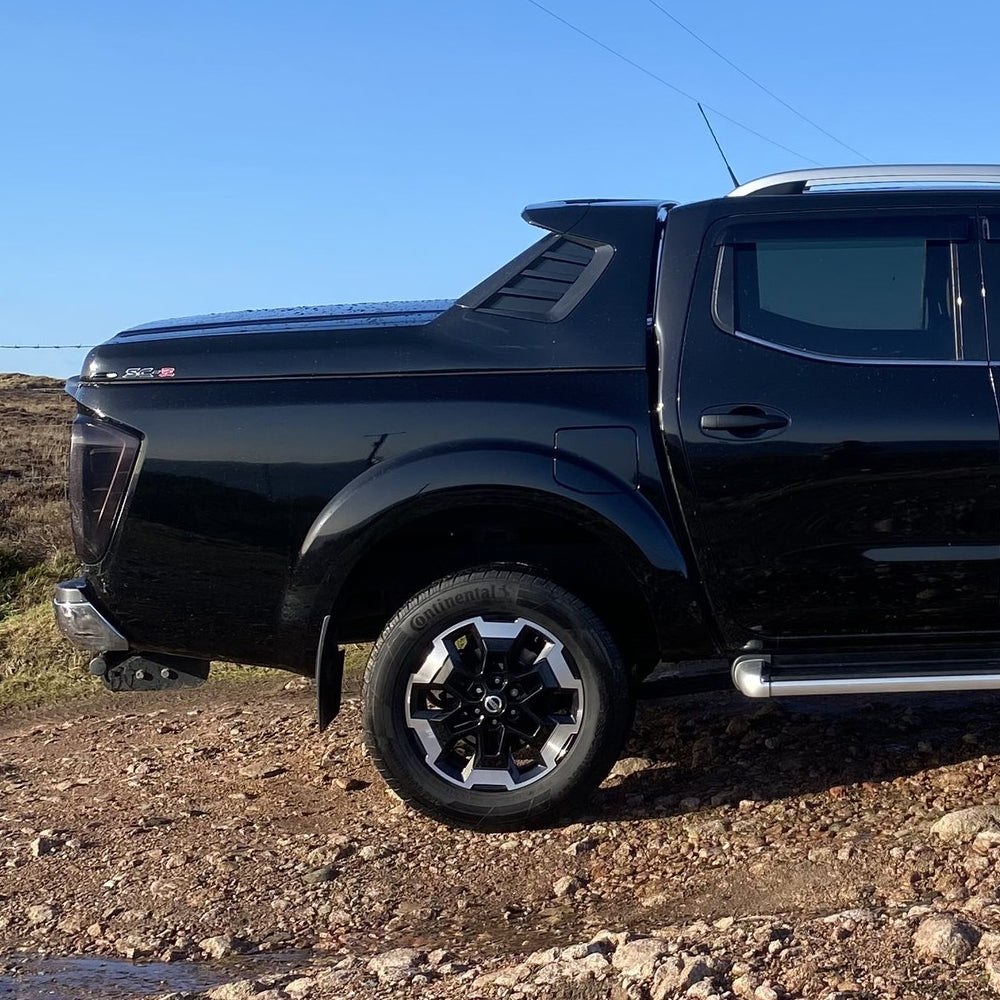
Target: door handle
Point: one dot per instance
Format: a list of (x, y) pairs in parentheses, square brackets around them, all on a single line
[(745, 422), (742, 422)]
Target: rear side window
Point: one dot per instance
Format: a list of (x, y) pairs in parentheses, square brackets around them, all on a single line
[(846, 294)]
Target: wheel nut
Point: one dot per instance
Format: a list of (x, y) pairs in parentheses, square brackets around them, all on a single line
[(514, 692), (513, 713), (479, 711), (497, 681)]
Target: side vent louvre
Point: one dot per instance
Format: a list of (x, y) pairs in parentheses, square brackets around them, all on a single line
[(544, 283), (540, 286)]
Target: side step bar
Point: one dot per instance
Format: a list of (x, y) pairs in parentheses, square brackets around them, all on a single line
[(759, 676)]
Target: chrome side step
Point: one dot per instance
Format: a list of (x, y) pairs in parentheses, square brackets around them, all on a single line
[(757, 676)]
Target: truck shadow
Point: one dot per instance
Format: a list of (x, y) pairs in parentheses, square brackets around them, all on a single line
[(721, 748)]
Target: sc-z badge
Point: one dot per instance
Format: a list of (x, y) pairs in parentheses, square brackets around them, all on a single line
[(147, 373)]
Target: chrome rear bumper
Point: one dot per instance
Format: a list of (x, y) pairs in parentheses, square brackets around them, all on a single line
[(81, 622)]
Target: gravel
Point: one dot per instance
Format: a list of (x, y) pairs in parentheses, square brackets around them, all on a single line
[(790, 850)]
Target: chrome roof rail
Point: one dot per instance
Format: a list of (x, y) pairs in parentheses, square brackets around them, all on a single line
[(898, 175)]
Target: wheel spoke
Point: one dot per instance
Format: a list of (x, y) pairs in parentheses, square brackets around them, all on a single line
[(525, 730), (491, 748), (466, 653), (527, 686)]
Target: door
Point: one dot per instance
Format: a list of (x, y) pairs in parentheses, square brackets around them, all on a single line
[(840, 427)]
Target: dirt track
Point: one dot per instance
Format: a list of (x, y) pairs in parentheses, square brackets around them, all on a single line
[(140, 826)]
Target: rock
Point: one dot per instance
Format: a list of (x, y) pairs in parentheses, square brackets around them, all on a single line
[(945, 937), (655, 899), (43, 845), (967, 822), (606, 940), (703, 751), (737, 726), (220, 946), (544, 956), (593, 965), (703, 990), (679, 973), (577, 951), (637, 959), (993, 972), (299, 989), (350, 784), (580, 847), (262, 770), (134, 946), (399, 965), (566, 886), (765, 992), (508, 978), (40, 914), (327, 873), (69, 925), (548, 975), (629, 765), (242, 989), (857, 916), (986, 841), (743, 986)]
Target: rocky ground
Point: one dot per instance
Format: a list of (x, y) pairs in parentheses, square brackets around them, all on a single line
[(804, 849)]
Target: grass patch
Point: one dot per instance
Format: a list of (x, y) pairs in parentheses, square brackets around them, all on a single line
[(12, 565), (22, 587), (36, 662)]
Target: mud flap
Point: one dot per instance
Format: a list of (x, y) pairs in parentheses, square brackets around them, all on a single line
[(329, 677)]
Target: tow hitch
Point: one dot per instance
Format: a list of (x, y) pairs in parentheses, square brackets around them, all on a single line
[(148, 671)]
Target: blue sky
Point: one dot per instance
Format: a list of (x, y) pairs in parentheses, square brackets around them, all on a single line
[(162, 159)]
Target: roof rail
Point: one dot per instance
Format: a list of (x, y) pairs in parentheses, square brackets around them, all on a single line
[(927, 175)]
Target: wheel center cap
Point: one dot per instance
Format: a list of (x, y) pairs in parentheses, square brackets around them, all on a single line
[(493, 704)]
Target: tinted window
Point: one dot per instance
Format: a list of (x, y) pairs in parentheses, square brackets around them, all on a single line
[(849, 296)]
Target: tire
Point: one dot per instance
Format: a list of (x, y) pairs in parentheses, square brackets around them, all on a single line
[(495, 699)]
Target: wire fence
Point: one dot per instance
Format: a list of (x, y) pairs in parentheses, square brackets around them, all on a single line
[(15, 478)]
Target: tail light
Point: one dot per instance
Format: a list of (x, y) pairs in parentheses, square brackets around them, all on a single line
[(101, 460)]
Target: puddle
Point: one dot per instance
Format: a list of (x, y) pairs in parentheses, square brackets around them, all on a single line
[(108, 979)]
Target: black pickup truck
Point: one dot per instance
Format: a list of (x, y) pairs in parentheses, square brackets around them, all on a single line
[(761, 428)]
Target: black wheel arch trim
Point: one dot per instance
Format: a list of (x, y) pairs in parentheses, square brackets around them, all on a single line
[(388, 497)]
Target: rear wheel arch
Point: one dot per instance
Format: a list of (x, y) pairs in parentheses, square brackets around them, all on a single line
[(569, 544)]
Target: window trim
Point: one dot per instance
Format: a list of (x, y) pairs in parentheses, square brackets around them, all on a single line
[(956, 301), (848, 360)]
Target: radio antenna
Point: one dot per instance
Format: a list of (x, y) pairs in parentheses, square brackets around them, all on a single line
[(718, 146)]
